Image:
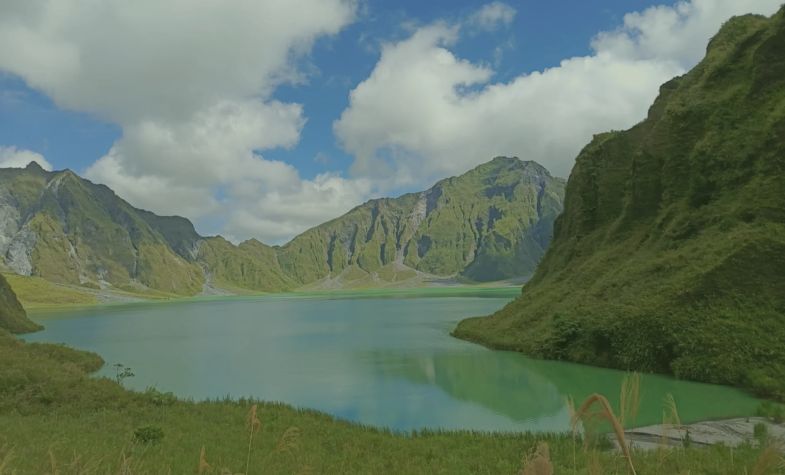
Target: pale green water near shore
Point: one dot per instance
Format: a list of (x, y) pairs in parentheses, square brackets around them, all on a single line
[(381, 361)]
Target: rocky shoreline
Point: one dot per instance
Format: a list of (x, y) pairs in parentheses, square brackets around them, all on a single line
[(729, 432)]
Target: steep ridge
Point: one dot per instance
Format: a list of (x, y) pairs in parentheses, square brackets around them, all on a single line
[(670, 253), (12, 316), (491, 223)]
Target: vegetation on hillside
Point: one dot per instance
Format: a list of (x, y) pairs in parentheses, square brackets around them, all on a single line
[(12, 315), (71, 231), (670, 254), (491, 223), (250, 265), (35, 292)]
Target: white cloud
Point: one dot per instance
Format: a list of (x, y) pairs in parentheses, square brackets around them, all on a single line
[(424, 113), (492, 15), (280, 213), (12, 157), (128, 61), (190, 84)]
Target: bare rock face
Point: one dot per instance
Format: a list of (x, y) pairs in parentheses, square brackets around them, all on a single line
[(18, 255)]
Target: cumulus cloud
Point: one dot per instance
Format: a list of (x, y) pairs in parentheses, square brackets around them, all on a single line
[(491, 16), (280, 213), (12, 157), (424, 113), (190, 83)]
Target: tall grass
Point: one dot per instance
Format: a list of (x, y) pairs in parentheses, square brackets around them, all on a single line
[(605, 412), (6, 455), (205, 467), (770, 459), (538, 462), (629, 398), (254, 425)]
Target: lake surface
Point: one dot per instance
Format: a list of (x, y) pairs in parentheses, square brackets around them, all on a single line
[(386, 362)]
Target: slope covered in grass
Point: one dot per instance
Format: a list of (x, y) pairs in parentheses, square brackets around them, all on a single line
[(12, 316), (670, 253), (491, 223), (68, 230), (35, 292)]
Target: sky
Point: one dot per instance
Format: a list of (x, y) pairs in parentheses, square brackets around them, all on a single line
[(262, 118)]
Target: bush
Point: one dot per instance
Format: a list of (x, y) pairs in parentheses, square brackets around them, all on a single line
[(759, 431), (772, 411), (159, 398), (148, 435)]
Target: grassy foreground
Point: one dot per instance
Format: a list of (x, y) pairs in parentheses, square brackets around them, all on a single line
[(54, 418)]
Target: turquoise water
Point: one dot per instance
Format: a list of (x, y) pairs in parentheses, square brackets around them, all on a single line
[(386, 362)]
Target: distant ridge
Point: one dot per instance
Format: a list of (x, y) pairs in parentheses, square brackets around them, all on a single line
[(491, 223)]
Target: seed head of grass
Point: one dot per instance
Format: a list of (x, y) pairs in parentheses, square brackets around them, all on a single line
[(5, 459), (630, 398), (769, 461), (253, 422), (204, 467), (605, 412), (538, 462), (289, 441)]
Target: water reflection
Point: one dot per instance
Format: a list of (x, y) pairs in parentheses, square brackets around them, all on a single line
[(529, 391)]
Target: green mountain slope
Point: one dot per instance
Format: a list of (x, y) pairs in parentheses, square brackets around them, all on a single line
[(670, 253), (250, 265), (12, 316), (68, 230), (71, 231), (493, 222)]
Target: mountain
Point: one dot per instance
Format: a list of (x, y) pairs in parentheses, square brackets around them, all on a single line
[(68, 230), (670, 253), (12, 316), (491, 223)]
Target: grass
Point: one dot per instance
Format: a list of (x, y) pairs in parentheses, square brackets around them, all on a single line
[(55, 418), (35, 292)]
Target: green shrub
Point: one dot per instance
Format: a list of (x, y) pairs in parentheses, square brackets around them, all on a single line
[(159, 398), (148, 435), (772, 411)]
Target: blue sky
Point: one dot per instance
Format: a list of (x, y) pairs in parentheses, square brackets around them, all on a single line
[(240, 117)]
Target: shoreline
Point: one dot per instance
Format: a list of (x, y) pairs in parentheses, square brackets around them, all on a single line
[(731, 432), (112, 299)]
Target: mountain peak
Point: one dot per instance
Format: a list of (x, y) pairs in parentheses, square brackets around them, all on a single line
[(504, 159), (34, 166), (502, 163)]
